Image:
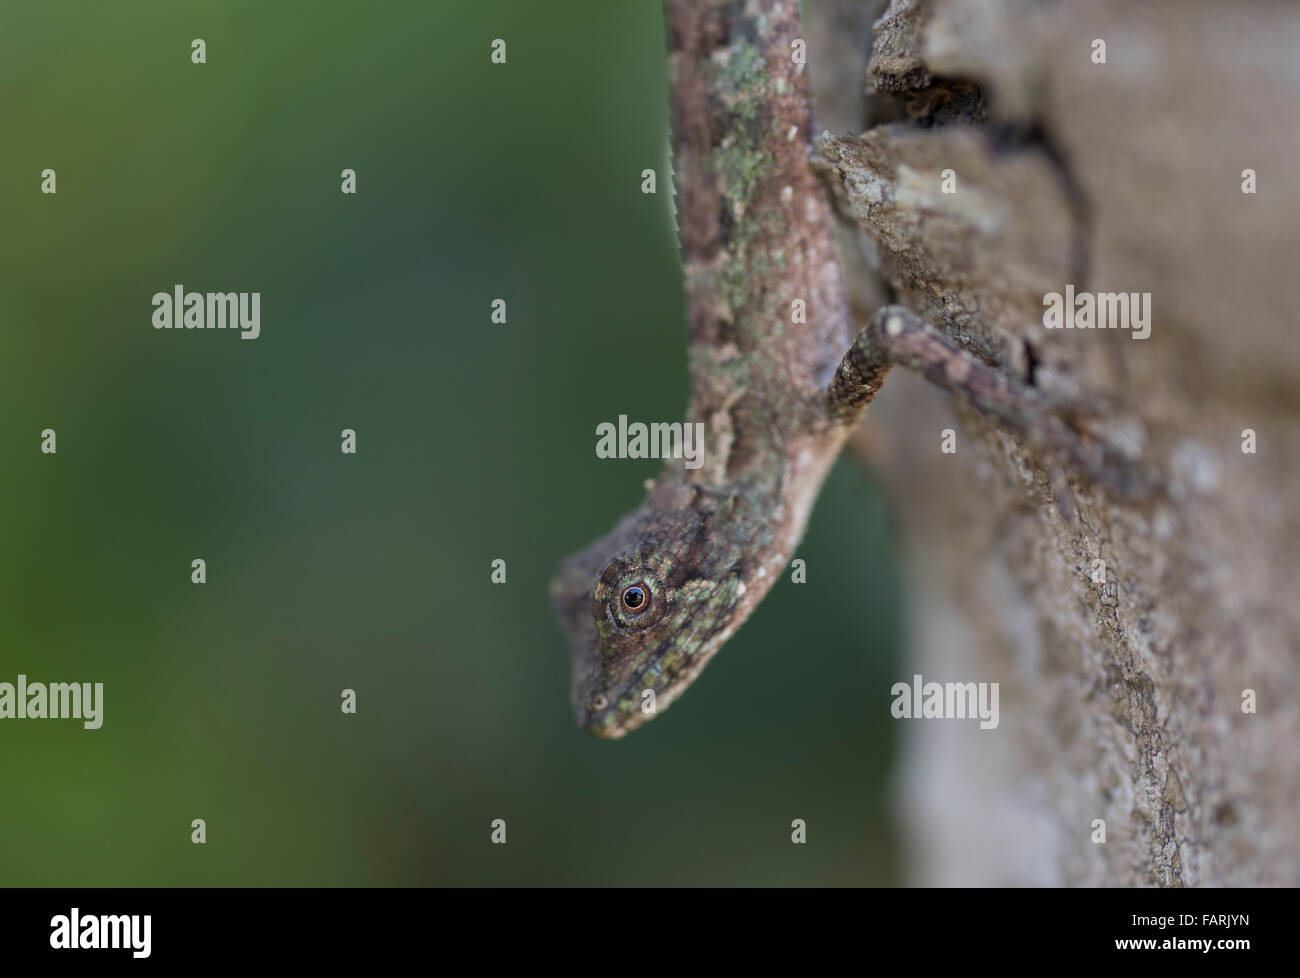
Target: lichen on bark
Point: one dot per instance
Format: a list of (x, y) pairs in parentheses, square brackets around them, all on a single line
[(1122, 699)]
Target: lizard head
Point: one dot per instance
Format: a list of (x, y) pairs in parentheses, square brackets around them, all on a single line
[(645, 607)]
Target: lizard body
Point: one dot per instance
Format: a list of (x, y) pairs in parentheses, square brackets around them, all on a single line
[(648, 605), (756, 234)]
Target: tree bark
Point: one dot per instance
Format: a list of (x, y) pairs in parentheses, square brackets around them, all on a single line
[(1125, 701)]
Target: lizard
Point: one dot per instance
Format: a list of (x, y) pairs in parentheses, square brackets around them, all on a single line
[(649, 604)]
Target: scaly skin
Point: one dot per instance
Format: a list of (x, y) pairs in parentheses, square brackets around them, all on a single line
[(778, 398), (756, 231)]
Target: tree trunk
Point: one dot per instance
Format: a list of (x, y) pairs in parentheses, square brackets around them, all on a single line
[(1146, 649)]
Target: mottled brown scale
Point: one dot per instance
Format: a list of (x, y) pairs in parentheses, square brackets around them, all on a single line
[(755, 226), (777, 398), (772, 238)]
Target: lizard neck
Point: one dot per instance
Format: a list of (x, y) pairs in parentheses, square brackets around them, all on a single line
[(768, 315)]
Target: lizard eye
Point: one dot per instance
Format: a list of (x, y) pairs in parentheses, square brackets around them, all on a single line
[(636, 598)]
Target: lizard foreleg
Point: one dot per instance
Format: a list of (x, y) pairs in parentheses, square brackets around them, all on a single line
[(897, 337)]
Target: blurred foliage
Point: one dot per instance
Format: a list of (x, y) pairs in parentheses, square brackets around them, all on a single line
[(476, 181)]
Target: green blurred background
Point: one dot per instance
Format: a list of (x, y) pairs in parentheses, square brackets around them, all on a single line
[(476, 181)]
